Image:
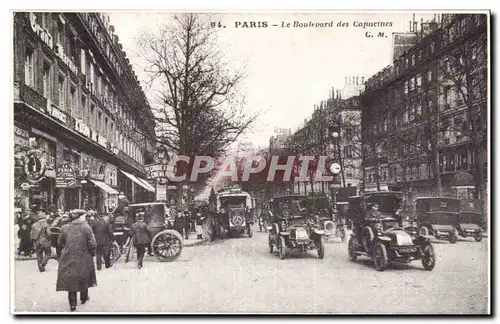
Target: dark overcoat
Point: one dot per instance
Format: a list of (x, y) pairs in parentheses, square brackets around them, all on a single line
[(140, 233), (103, 233), (76, 266)]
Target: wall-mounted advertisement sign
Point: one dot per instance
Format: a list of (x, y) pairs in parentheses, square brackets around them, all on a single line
[(34, 166), (65, 176)]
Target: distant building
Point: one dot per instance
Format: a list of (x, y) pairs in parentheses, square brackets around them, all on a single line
[(399, 104)]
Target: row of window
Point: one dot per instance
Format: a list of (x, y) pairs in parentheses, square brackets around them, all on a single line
[(448, 162), (73, 101), (448, 34)]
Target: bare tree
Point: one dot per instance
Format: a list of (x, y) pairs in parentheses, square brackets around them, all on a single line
[(366, 144), (464, 70), (199, 108)]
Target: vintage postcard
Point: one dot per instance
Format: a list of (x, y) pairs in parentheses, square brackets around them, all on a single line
[(281, 162)]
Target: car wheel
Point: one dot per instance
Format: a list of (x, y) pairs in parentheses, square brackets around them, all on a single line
[(320, 244), (428, 257), (282, 249), (380, 257), (351, 247), (478, 236), (423, 231), (452, 237)]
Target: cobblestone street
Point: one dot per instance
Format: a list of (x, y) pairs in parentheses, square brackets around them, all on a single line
[(240, 275)]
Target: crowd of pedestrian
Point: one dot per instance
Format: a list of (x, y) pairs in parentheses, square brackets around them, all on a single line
[(80, 235)]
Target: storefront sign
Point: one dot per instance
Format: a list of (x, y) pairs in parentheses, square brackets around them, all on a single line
[(21, 137), (94, 135), (65, 176), (110, 175), (34, 166), (57, 114), (42, 33), (23, 142), (43, 134), (66, 59), (102, 141), (82, 128), (21, 132), (155, 171), (161, 192)]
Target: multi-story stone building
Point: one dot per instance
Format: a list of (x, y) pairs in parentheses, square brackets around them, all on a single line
[(313, 138), (414, 118), (83, 126)]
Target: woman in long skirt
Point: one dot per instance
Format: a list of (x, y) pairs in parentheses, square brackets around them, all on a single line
[(76, 271)]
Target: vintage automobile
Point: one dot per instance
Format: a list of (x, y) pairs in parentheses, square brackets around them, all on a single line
[(470, 220), (380, 237), (166, 243), (294, 228), (234, 214), (393, 244), (321, 207), (121, 229), (437, 216)]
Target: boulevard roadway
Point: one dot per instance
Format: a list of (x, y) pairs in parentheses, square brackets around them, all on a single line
[(239, 275)]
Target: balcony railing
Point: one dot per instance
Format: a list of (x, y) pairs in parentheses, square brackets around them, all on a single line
[(31, 97)]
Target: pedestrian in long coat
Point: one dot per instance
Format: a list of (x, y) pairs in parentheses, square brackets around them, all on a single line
[(41, 240), (76, 271), (25, 244), (141, 237), (104, 239)]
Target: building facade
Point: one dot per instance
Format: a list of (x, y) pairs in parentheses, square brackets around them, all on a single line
[(83, 126), (314, 138), (415, 121)]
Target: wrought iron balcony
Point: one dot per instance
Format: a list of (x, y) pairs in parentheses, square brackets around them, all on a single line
[(30, 96)]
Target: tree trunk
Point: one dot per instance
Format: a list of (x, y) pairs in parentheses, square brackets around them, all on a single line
[(481, 192), (435, 167)]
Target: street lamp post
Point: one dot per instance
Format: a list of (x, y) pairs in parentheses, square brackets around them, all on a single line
[(336, 166)]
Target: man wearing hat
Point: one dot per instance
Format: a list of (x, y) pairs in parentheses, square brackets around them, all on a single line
[(76, 272), (104, 238), (140, 236), (41, 240), (122, 203)]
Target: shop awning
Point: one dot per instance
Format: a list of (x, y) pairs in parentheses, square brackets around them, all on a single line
[(105, 187), (142, 183), (146, 183)]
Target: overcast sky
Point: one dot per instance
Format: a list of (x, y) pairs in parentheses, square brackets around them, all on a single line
[(289, 69)]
